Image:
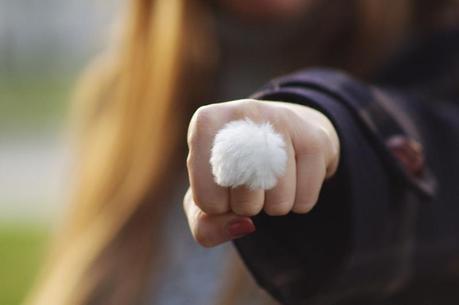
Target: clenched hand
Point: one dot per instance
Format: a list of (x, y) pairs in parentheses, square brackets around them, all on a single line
[(217, 214)]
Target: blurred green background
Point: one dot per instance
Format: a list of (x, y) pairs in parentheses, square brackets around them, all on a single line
[(43, 46)]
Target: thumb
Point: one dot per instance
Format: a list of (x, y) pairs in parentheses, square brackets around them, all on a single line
[(212, 230)]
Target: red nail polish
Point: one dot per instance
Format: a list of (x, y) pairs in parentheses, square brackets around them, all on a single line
[(240, 227)]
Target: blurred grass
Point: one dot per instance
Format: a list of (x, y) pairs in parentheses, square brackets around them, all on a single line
[(22, 247), (29, 103)]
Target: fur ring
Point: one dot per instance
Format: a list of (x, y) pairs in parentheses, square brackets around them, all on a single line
[(247, 153)]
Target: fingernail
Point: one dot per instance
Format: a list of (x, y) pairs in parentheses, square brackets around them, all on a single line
[(240, 228)]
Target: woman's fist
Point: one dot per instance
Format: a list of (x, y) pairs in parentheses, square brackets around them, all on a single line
[(217, 214)]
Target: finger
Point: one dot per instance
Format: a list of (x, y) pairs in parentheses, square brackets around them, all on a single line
[(311, 171), (246, 202), (209, 196), (279, 200), (212, 230)]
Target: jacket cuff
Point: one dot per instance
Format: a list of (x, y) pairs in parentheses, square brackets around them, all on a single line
[(360, 226), (378, 112)]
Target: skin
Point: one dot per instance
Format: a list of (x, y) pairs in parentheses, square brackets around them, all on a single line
[(218, 214)]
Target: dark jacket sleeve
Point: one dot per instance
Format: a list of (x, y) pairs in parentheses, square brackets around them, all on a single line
[(358, 242)]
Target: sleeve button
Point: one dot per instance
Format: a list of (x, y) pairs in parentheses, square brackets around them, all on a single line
[(409, 152)]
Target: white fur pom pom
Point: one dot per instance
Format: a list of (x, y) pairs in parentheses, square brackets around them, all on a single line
[(246, 153)]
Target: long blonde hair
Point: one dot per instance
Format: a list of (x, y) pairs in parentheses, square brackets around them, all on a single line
[(131, 121), (132, 107)]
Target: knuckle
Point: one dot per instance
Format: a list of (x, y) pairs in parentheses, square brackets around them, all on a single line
[(302, 208), (247, 102), (277, 209), (311, 141), (286, 114), (315, 142), (202, 120), (246, 209), (192, 139), (186, 201), (245, 107), (280, 117), (304, 205), (189, 160), (317, 139), (214, 208), (210, 207), (204, 115)]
